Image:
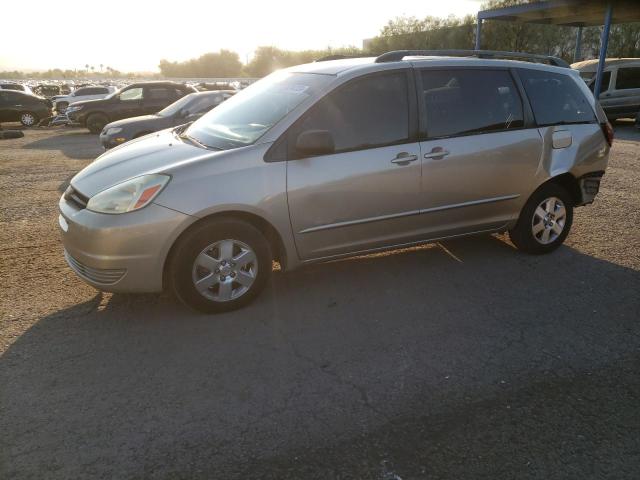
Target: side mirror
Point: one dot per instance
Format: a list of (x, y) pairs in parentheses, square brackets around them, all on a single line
[(315, 142)]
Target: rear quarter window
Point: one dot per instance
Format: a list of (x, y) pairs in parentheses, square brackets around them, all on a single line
[(556, 98)]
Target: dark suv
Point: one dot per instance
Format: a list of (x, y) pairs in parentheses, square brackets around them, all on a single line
[(136, 99), (22, 107)]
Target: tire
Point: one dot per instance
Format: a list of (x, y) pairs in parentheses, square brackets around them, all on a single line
[(96, 122), (545, 220), (28, 119), (230, 259)]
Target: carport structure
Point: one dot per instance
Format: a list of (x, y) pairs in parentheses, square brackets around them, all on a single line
[(569, 13)]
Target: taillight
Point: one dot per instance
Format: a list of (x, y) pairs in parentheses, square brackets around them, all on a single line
[(607, 129)]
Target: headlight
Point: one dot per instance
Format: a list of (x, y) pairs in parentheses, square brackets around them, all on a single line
[(114, 130), (128, 196)]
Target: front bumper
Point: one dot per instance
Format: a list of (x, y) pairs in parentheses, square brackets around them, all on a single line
[(120, 253), (75, 116)]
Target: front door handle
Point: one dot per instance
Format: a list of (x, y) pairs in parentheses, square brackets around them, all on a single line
[(437, 153), (404, 158)]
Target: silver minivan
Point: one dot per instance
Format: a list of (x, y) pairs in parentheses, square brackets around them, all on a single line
[(334, 159)]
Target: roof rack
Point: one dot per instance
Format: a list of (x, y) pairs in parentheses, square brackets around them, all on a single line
[(340, 57), (398, 55)]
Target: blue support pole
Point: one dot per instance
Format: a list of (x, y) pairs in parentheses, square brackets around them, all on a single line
[(604, 42), (478, 32), (578, 53)]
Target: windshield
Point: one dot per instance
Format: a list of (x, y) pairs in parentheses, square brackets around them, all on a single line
[(176, 106), (246, 116)]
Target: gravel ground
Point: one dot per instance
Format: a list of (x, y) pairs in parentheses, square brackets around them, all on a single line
[(457, 360)]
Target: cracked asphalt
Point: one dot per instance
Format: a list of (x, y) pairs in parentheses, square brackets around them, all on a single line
[(458, 360)]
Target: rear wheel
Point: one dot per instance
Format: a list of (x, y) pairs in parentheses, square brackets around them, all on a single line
[(96, 122), (545, 220), (220, 265), (28, 119)]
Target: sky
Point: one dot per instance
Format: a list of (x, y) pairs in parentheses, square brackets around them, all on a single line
[(133, 35)]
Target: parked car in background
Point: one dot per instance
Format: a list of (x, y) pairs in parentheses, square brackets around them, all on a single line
[(206, 87), (187, 109), (15, 86), (47, 90), (338, 158), (137, 99), (620, 89), (28, 109), (61, 102)]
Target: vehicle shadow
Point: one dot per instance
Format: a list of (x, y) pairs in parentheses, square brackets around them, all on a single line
[(626, 130), (138, 386), (77, 145)]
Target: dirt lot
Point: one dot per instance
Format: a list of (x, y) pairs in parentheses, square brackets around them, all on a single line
[(458, 360)]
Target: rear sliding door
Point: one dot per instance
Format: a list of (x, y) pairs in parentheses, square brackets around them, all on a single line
[(480, 149)]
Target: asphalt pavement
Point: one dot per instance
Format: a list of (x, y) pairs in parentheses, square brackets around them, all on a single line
[(458, 360)]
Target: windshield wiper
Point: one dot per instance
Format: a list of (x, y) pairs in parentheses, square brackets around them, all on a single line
[(198, 143)]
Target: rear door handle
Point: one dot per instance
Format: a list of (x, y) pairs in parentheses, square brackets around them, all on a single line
[(404, 158), (437, 153)]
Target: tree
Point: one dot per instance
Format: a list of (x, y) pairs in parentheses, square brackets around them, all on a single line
[(268, 59), (224, 63)]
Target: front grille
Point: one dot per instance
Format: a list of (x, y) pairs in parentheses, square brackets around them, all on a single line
[(101, 276), (75, 198)]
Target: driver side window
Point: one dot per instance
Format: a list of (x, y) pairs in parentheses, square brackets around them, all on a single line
[(366, 113), (131, 94)]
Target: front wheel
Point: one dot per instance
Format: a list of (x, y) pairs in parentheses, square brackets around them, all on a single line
[(28, 119), (545, 220), (220, 265)]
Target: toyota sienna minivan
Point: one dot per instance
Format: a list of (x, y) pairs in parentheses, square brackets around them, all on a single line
[(333, 159)]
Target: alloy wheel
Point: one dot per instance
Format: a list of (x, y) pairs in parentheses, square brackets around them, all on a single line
[(27, 119), (225, 270), (548, 221)]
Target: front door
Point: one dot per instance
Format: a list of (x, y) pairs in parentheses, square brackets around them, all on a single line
[(365, 195), (478, 157)]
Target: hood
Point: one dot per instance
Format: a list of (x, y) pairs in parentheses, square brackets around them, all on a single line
[(155, 154), (147, 120)]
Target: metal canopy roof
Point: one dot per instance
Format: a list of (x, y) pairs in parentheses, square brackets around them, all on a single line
[(574, 13)]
